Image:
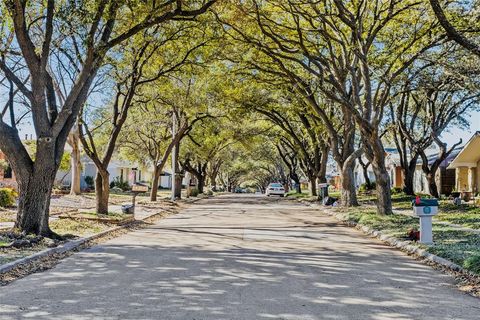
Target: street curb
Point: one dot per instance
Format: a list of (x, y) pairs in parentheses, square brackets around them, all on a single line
[(405, 246), (68, 246)]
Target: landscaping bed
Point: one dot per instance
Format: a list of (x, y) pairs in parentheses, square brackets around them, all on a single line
[(15, 246)]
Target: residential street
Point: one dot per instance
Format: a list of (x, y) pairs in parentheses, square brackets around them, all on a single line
[(239, 257)]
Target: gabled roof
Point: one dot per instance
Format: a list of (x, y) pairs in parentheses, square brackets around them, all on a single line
[(432, 157), (469, 155)]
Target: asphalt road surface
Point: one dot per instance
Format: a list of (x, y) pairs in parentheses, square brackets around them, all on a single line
[(239, 257)]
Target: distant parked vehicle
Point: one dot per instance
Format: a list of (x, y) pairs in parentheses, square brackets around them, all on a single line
[(275, 189)]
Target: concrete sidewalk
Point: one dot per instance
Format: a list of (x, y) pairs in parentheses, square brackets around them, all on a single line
[(239, 257)]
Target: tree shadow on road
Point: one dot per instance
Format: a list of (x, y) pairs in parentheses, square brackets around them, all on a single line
[(179, 280)]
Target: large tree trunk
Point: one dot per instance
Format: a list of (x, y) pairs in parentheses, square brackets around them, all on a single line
[(201, 183), (179, 174), (368, 183), (155, 182), (432, 184), (408, 176), (102, 191), (178, 185), (384, 203), (348, 193), (296, 179), (312, 186), (76, 166), (408, 179), (375, 153), (34, 200), (213, 181)]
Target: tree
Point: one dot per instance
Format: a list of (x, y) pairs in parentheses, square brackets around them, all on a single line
[(148, 138), (290, 159), (149, 62), (351, 52), (433, 96), (303, 136), (452, 32), (39, 29), (323, 121), (204, 144), (253, 162)]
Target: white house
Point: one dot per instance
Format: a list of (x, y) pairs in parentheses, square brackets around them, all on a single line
[(119, 170)]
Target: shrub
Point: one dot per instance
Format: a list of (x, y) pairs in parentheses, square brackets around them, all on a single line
[(194, 192), (89, 181), (7, 197), (3, 164), (365, 187), (397, 190), (119, 183), (209, 193), (472, 263), (116, 190)]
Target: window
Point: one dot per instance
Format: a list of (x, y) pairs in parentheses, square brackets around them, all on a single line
[(275, 185)]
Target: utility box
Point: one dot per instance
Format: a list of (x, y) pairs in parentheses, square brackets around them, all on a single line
[(425, 209)]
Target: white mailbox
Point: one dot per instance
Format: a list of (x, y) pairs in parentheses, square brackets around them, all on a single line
[(425, 209)]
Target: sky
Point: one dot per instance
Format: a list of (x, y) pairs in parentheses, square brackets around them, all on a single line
[(455, 134)]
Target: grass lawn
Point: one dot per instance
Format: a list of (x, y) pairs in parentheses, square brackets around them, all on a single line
[(394, 225), (464, 215), (469, 220), (78, 227), (461, 247)]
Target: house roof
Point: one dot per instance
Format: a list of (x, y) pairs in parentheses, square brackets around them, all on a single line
[(432, 157), (469, 155)]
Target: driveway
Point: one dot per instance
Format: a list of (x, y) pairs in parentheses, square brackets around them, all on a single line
[(239, 257)]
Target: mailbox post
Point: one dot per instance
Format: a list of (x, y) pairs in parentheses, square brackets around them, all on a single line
[(425, 209), (136, 189), (323, 190)]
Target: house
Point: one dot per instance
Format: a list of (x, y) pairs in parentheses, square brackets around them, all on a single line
[(444, 177), (467, 166), (119, 170), (392, 162)]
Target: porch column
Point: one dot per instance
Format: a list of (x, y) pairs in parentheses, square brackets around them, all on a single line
[(477, 182), (462, 178), (471, 178)]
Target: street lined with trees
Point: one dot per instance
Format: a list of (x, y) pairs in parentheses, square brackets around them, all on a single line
[(336, 81), (343, 103)]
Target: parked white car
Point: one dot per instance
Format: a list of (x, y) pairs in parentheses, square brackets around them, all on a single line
[(275, 189)]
